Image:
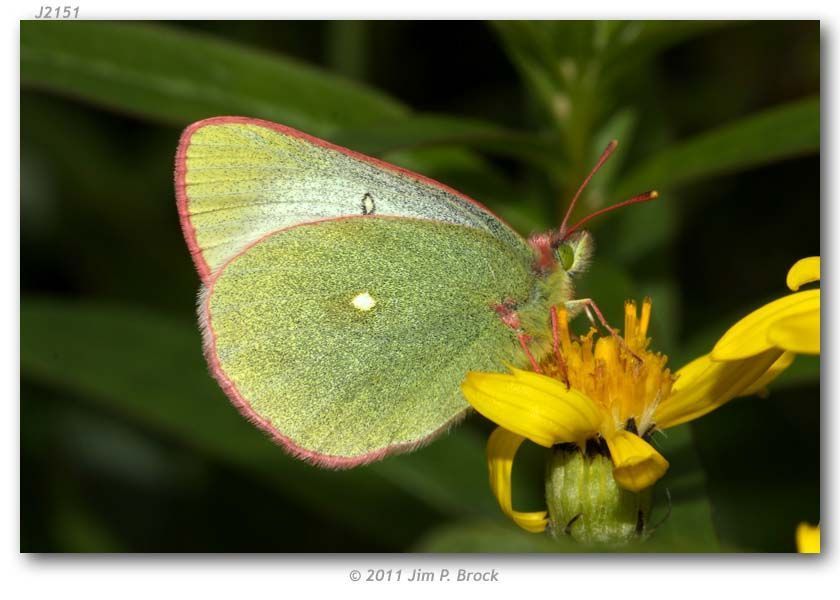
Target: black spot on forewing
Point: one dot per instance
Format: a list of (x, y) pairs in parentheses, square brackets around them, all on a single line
[(368, 205)]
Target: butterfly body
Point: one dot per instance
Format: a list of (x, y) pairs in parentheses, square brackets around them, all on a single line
[(344, 299)]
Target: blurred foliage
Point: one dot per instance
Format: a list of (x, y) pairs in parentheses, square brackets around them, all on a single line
[(127, 444)]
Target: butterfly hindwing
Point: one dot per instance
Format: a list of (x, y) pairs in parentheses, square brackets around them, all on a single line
[(347, 339), (238, 179)]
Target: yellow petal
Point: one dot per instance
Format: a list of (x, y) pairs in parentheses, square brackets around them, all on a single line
[(806, 270), (637, 464), (749, 336), (808, 539), (501, 449), (704, 384), (535, 406), (776, 369), (798, 333)]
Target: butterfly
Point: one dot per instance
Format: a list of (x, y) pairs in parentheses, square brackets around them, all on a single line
[(344, 299)]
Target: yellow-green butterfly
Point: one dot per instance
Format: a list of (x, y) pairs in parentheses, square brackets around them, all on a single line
[(344, 299)]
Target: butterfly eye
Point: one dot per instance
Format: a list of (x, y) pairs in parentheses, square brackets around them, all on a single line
[(566, 256), (575, 253)]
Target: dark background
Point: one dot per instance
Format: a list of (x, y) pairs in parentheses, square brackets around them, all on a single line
[(128, 445)]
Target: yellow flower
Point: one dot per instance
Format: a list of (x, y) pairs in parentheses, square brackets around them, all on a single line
[(791, 323), (808, 538), (616, 391)]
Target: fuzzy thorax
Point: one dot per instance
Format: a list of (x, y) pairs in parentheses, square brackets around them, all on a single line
[(558, 262)]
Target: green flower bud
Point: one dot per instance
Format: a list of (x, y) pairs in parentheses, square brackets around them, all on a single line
[(585, 502)]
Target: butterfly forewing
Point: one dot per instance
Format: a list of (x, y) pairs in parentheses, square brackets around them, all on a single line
[(238, 179)]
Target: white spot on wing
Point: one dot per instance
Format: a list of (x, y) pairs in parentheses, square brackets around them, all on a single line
[(363, 302)]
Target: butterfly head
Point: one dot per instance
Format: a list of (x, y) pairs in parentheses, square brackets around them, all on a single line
[(570, 247), (571, 254)]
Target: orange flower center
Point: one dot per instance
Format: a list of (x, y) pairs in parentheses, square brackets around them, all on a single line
[(619, 373)]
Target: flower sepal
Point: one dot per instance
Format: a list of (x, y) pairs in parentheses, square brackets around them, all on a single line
[(586, 503)]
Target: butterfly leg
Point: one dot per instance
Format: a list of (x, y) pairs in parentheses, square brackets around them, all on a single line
[(507, 313), (523, 341), (590, 307)]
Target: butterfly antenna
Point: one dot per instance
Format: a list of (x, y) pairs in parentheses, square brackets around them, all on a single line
[(647, 196), (604, 156)]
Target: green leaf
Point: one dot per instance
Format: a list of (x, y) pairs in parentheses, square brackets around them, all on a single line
[(347, 47), (776, 134), (150, 369), (178, 77), (417, 131)]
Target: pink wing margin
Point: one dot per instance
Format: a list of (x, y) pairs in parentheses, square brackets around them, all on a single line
[(182, 197)]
